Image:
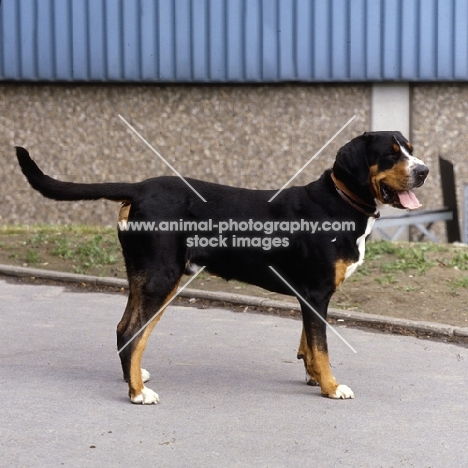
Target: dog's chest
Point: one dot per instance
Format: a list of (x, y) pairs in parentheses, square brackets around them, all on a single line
[(361, 245)]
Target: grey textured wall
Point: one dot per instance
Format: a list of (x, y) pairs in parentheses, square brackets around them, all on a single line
[(252, 136)]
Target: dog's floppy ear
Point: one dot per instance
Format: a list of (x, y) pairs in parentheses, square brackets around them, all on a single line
[(352, 166), (351, 163)]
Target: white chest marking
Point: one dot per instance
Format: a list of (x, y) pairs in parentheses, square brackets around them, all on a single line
[(361, 245)]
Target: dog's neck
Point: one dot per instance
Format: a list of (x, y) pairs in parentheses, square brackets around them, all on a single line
[(352, 199)]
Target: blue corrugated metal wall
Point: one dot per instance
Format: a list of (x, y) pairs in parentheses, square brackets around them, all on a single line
[(233, 40)]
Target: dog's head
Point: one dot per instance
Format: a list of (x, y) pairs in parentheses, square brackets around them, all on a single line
[(379, 167)]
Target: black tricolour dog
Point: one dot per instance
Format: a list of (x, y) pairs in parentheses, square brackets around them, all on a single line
[(371, 170)]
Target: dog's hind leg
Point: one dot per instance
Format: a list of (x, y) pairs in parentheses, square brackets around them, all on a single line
[(314, 351), (144, 309), (128, 321)]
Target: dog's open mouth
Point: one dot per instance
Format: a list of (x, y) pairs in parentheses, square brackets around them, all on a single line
[(404, 199)]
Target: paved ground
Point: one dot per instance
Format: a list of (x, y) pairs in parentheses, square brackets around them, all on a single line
[(232, 392)]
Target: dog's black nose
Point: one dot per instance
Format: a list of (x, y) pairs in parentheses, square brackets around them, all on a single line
[(420, 173)]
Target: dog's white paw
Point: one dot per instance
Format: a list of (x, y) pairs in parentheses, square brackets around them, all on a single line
[(145, 375), (342, 392), (146, 397)]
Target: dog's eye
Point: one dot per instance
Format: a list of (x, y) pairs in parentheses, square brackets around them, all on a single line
[(393, 155)]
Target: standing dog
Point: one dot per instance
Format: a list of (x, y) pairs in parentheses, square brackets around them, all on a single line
[(371, 170)]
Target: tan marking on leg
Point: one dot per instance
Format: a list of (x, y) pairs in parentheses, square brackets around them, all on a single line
[(317, 365), (318, 369), (135, 384), (305, 354), (321, 369)]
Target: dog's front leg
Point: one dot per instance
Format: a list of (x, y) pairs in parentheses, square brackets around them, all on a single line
[(304, 354), (313, 349)]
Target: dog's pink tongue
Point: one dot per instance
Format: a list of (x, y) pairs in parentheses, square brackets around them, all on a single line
[(408, 199)]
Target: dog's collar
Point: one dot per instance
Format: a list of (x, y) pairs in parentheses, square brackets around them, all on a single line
[(353, 200)]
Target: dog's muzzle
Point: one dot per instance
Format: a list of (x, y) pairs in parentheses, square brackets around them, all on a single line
[(419, 175)]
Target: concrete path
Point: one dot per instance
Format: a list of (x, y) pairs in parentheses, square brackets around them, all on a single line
[(232, 392)]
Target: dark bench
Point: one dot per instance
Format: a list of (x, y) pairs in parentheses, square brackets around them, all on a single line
[(424, 220)]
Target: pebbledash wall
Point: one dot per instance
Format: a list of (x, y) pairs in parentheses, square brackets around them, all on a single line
[(250, 136)]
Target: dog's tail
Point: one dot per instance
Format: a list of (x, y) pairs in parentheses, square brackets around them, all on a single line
[(70, 191)]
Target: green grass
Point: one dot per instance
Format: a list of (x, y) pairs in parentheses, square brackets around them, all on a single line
[(402, 257), (460, 260), (389, 262), (82, 246), (94, 252), (376, 249), (32, 257), (97, 250), (386, 279), (52, 229), (64, 247), (459, 283), (412, 259)]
